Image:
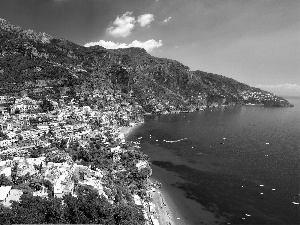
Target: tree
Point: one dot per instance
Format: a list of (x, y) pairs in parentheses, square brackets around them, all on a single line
[(4, 181), (47, 184), (47, 106), (128, 214), (6, 215), (14, 171), (36, 152), (29, 210), (3, 135), (71, 211)]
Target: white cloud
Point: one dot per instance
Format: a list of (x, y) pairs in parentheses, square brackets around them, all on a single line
[(167, 19), (122, 25), (145, 19), (278, 86), (283, 89), (107, 44), (149, 45)]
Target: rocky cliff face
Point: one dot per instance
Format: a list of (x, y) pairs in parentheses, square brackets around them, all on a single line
[(40, 65)]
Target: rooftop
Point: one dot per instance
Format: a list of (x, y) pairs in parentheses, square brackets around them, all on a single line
[(4, 190)]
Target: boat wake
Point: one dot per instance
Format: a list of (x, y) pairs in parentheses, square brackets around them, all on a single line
[(175, 140)]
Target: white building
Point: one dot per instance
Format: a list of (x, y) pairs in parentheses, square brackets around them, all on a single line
[(58, 191), (44, 128), (6, 171), (7, 142), (14, 195), (3, 99), (4, 193), (141, 164)]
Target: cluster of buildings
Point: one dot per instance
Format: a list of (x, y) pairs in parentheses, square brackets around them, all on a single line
[(260, 97), (62, 176), (25, 127)]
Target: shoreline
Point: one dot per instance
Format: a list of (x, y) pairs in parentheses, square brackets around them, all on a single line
[(188, 210), (126, 130), (165, 208), (170, 205), (162, 208)]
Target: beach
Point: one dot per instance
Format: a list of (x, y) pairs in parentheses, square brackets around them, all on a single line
[(166, 210), (183, 211), (204, 162), (171, 204), (162, 208), (128, 129)]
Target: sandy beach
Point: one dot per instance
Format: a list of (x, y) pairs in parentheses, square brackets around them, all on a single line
[(166, 209), (189, 211), (126, 130), (179, 211)]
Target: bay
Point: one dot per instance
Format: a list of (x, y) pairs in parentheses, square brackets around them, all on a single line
[(239, 162)]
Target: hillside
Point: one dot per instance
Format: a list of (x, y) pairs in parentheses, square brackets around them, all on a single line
[(64, 158), (38, 65)]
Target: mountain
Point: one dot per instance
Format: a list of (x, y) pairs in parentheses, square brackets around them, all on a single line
[(40, 66)]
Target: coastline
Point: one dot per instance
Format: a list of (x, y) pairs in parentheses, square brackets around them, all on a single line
[(166, 210), (162, 208), (128, 129), (169, 204), (189, 211)]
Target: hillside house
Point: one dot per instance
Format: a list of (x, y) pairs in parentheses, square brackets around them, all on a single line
[(41, 193), (44, 128), (58, 191), (14, 195), (3, 99), (3, 126), (141, 164), (2, 164), (7, 142), (7, 126), (29, 134), (6, 171), (24, 107), (4, 193)]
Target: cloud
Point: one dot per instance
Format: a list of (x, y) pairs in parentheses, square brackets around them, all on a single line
[(278, 86), (149, 45), (281, 88), (145, 19), (167, 19), (122, 25)]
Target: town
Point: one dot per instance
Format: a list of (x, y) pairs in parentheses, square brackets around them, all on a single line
[(52, 149)]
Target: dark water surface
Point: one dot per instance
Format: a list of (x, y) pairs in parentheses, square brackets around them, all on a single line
[(240, 162)]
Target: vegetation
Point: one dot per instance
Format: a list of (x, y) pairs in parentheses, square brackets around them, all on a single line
[(46, 68), (88, 207), (123, 80)]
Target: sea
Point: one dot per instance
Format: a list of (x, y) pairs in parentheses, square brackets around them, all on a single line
[(238, 163)]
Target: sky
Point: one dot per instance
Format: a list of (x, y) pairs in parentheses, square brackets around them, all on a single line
[(256, 42)]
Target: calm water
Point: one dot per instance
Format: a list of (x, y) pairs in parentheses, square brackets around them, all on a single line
[(239, 162)]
